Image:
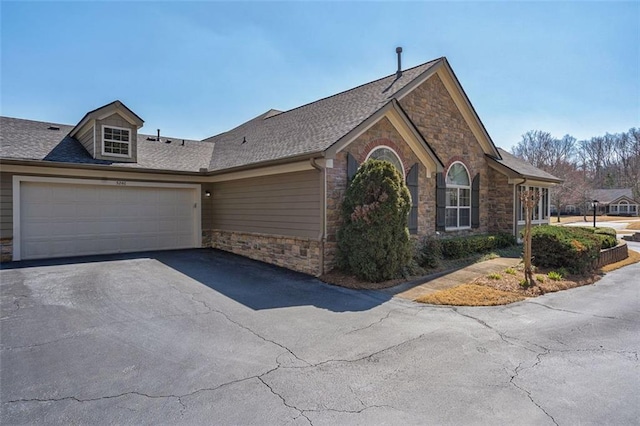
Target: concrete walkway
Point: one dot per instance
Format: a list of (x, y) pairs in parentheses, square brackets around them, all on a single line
[(431, 284)]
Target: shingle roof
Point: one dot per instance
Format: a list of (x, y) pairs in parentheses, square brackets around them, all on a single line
[(606, 196), (523, 168), (32, 140), (307, 129)]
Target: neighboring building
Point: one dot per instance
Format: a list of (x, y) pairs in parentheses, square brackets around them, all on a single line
[(615, 202), (269, 189)]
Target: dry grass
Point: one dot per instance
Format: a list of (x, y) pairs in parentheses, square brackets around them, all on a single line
[(488, 291), (634, 226), (572, 219), (471, 295)]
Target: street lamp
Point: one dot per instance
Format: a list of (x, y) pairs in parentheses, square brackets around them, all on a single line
[(595, 207)]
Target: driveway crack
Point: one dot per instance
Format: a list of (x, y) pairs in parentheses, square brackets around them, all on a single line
[(372, 324), (258, 335), (569, 311), (284, 401), (528, 393), (504, 337)]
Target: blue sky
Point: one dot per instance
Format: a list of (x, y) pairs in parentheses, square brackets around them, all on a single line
[(195, 69)]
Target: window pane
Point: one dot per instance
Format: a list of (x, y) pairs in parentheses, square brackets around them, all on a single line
[(125, 135), (465, 197), (465, 217), (451, 218), (452, 197), (385, 154), (457, 175), (108, 134)]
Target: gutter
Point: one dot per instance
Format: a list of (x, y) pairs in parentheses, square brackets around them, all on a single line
[(322, 236)]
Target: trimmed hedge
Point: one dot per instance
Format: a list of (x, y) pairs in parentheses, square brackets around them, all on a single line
[(607, 236), (433, 249), (373, 241), (566, 247)]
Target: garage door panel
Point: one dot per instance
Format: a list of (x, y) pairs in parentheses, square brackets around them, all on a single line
[(73, 219)]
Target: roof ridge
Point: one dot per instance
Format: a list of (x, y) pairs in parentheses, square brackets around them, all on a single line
[(354, 88), (36, 121)]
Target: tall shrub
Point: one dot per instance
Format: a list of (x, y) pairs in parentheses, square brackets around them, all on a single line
[(373, 241)]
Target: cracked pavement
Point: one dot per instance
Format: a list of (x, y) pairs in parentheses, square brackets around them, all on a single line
[(201, 337)]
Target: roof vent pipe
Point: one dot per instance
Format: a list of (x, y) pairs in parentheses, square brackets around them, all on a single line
[(399, 52), (158, 135)]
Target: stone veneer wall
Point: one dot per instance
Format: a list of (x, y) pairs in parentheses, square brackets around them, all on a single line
[(438, 119), (500, 202), (6, 249), (297, 253), (382, 133)]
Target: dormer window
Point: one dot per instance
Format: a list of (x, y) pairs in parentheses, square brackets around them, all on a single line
[(116, 141)]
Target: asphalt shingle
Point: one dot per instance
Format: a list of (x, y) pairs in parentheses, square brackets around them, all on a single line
[(307, 129), (520, 166), (33, 140)]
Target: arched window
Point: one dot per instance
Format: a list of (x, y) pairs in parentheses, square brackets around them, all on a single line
[(387, 154), (458, 197), (623, 207)]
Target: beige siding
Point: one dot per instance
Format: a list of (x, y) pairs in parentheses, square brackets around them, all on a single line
[(286, 204), (6, 205), (117, 121), (86, 139)]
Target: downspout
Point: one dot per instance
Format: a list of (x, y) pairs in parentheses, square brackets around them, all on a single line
[(323, 210)]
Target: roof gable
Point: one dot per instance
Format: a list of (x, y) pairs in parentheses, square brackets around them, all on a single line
[(104, 111)]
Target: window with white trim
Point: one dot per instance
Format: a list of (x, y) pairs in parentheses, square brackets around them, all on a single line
[(385, 153), (116, 141), (458, 197), (623, 207), (540, 212)]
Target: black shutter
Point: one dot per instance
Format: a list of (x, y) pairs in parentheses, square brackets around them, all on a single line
[(352, 167), (412, 184), (441, 201), (475, 201)]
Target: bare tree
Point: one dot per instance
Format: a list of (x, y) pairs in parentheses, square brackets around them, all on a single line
[(529, 198)]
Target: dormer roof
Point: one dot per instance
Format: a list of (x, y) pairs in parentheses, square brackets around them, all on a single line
[(107, 110)]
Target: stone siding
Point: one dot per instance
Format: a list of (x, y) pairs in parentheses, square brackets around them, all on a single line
[(299, 254), (500, 202), (438, 119), (6, 249), (381, 134)]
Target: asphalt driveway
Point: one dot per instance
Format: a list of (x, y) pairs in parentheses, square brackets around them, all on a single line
[(204, 337)]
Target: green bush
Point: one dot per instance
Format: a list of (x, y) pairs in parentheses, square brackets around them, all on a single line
[(429, 254), (457, 247), (564, 247), (607, 236), (433, 250), (373, 241)]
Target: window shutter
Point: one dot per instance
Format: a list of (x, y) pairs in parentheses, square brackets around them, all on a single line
[(440, 202), (475, 201), (352, 167), (412, 184)]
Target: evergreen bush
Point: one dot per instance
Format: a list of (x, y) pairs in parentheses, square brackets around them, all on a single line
[(565, 247), (373, 241)]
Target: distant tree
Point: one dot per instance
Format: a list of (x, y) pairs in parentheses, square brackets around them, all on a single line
[(544, 151)]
